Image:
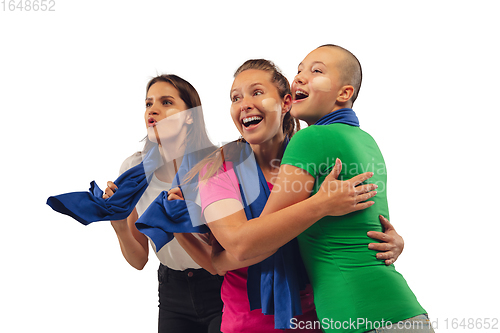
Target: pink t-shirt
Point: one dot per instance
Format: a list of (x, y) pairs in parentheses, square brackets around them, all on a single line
[(236, 316)]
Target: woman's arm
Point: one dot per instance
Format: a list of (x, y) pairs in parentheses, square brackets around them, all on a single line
[(267, 233), (223, 261), (392, 243), (133, 244), (199, 251), (212, 258)]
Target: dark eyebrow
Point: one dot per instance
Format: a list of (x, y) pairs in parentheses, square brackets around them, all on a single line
[(251, 86), (315, 62), (162, 97)]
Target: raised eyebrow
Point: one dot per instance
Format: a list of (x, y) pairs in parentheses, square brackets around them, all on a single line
[(231, 93), (319, 62), (313, 63), (251, 86), (162, 97)]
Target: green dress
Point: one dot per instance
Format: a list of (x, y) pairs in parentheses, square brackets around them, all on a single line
[(353, 291)]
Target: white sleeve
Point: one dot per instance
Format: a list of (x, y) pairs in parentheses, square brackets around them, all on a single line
[(131, 161)]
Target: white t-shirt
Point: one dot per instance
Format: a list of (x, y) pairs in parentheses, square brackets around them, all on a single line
[(171, 254)]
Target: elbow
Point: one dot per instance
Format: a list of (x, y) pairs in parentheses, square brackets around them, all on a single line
[(140, 264), (221, 273), (213, 271), (240, 256), (217, 270), (239, 246)]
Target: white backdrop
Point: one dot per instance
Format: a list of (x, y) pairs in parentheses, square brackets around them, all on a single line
[(72, 88)]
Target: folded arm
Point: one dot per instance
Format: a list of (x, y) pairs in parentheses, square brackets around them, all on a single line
[(270, 231), (391, 244)]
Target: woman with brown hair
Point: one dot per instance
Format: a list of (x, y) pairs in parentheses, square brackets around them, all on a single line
[(189, 296)]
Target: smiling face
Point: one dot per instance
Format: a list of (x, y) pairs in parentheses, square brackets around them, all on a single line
[(256, 106), (166, 112), (317, 88)]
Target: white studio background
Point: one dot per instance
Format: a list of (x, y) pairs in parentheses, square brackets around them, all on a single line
[(72, 88)]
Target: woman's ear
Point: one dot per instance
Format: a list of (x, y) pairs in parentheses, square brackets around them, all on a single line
[(286, 104), (345, 94), (189, 118)]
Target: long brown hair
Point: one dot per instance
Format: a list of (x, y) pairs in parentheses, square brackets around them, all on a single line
[(214, 161), (196, 137)]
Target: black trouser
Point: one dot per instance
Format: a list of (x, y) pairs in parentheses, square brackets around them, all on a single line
[(189, 301)]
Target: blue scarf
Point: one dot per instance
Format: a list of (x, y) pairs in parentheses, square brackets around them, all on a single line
[(274, 284), (343, 116), (88, 207)]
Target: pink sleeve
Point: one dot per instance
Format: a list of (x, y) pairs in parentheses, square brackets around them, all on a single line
[(223, 185)]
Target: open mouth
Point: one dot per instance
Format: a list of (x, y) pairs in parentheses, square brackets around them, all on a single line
[(249, 121), (151, 122), (300, 95)]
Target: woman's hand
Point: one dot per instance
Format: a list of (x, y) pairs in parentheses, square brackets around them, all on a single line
[(108, 193), (110, 190), (344, 197), (175, 194), (392, 243)]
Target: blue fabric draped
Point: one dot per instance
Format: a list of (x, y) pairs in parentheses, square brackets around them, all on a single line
[(344, 116), (163, 217), (274, 284), (88, 207)]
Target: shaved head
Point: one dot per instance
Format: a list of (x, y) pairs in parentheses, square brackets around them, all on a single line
[(349, 68)]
